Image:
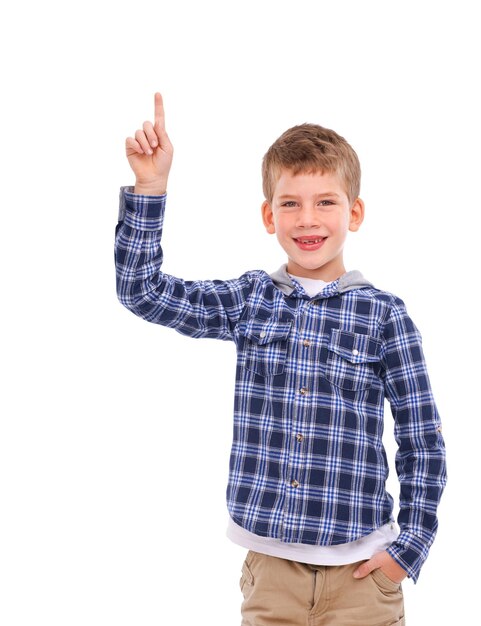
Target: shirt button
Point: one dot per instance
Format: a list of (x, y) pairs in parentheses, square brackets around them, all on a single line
[(303, 391), (300, 437), (355, 352), (294, 483), (262, 334), (306, 343)]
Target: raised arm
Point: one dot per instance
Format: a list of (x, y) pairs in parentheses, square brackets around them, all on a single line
[(195, 308), (150, 154)]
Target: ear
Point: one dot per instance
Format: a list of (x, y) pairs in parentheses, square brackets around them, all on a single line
[(356, 215), (268, 217)]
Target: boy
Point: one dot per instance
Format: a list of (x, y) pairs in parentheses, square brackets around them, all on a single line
[(318, 349)]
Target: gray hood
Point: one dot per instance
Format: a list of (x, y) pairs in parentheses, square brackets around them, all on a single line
[(346, 282)]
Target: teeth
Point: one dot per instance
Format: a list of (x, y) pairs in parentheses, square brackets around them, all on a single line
[(310, 240)]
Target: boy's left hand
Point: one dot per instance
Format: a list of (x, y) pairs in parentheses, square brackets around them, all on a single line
[(386, 563)]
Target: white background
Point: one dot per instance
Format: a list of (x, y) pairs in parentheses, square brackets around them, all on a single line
[(115, 433)]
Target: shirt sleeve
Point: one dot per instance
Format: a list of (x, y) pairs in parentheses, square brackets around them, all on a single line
[(194, 308), (420, 458)]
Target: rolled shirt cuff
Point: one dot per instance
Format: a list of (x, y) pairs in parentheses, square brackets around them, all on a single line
[(141, 212), (410, 552)]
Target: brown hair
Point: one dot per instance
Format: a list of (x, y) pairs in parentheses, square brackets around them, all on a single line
[(309, 148)]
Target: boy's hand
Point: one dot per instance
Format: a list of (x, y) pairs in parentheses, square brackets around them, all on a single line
[(150, 154), (386, 563)]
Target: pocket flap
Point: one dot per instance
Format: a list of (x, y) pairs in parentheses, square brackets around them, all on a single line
[(265, 331), (354, 347)]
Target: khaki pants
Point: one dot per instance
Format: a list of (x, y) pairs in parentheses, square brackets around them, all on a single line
[(286, 593)]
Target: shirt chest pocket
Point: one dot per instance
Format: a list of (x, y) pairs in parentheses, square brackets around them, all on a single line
[(351, 360), (264, 346)]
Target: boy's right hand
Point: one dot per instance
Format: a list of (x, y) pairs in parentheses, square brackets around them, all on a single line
[(150, 154)]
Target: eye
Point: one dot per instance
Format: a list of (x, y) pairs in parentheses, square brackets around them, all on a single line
[(325, 203), (289, 203)]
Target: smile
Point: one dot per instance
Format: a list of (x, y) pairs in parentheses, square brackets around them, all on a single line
[(309, 243)]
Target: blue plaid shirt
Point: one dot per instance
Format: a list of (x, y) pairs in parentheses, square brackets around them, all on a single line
[(307, 463)]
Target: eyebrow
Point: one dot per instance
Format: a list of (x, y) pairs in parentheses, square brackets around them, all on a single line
[(284, 196)]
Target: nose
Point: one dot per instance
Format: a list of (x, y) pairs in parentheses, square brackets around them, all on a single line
[(308, 217)]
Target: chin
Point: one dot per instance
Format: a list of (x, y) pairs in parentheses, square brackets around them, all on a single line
[(310, 266)]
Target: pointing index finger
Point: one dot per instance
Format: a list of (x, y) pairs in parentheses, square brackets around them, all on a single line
[(159, 117)]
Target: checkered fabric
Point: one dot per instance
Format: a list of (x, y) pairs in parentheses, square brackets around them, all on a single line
[(307, 463)]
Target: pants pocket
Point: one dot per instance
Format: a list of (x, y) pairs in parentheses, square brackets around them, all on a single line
[(385, 584), (246, 579)]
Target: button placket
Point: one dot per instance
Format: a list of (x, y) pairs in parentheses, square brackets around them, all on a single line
[(299, 416)]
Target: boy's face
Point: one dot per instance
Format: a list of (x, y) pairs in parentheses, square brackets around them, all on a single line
[(311, 216)]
